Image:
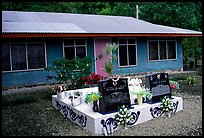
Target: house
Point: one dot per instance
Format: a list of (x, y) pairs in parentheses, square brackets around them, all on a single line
[(32, 40)]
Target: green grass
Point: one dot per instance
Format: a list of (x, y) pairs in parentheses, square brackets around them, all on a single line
[(18, 100), (178, 78), (26, 97)]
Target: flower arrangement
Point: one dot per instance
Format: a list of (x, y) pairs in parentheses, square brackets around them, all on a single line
[(93, 79), (93, 96), (174, 85), (141, 91), (166, 104), (123, 116), (77, 93), (59, 88)]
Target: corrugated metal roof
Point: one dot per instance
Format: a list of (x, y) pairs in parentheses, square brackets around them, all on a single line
[(34, 27), (47, 22)]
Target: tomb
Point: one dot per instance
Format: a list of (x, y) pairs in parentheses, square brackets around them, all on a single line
[(113, 95), (105, 124), (158, 83)]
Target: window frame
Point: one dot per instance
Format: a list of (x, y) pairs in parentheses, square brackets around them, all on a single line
[(158, 40), (135, 44), (75, 46), (26, 55)]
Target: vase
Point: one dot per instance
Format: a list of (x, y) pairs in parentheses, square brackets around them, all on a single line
[(95, 106), (60, 95), (139, 99)]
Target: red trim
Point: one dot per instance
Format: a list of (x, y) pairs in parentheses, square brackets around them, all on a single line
[(28, 35)]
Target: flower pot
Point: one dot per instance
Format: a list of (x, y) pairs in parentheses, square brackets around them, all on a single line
[(60, 95), (95, 106), (75, 101), (139, 99)]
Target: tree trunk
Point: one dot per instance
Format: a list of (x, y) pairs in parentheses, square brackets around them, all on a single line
[(195, 58)]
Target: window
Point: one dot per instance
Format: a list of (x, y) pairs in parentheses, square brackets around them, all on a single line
[(74, 48), (23, 56), (171, 49), (36, 55), (18, 56), (153, 50), (6, 66), (127, 52), (162, 49)]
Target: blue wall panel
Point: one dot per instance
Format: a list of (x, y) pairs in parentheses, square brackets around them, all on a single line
[(23, 78), (90, 52), (55, 50), (147, 66)]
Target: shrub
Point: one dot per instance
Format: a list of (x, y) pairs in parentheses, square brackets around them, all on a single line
[(70, 72), (191, 80)]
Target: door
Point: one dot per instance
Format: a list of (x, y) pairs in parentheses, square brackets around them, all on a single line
[(100, 44)]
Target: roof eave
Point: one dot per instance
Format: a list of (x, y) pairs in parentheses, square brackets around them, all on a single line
[(30, 35)]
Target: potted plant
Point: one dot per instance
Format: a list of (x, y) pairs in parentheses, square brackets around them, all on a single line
[(76, 98), (93, 97), (166, 106), (59, 89), (141, 92)]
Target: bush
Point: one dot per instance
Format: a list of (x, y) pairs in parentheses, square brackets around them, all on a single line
[(69, 72), (191, 80)]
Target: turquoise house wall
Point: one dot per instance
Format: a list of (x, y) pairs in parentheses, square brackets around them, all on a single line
[(54, 50), (149, 66), (90, 52)]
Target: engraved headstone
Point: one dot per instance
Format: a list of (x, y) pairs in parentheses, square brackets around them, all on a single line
[(113, 94), (158, 83)]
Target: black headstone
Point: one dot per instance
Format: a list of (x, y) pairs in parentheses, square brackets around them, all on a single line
[(113, 96), (158, 83)]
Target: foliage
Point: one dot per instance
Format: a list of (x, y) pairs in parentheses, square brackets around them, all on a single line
[(70, 71), (93, 79), (108, 65), (192, 51), (124, 116), (166, 104), (174, 85), (141, 91), (93, 96), (191, 80)]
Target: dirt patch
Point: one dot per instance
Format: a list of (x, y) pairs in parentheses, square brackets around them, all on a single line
[(41, 119)]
